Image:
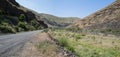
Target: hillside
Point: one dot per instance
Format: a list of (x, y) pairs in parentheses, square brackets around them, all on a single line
[(16, 18), (107, 18), (58, 21)]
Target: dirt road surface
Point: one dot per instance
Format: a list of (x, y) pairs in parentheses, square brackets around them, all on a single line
[(11, 44)]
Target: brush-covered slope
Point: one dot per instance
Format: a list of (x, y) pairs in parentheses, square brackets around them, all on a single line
[(58, 21), (107, 18), (16, 18)]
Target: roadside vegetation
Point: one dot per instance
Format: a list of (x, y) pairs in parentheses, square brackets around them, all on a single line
[(12, 24), (47, 48), (87, 45)]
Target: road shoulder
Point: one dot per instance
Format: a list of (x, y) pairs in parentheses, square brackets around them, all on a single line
[(41, 46)]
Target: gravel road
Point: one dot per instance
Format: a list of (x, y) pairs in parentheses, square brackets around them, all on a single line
[(11, 44)]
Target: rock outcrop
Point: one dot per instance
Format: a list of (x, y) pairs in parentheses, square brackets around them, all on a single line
[(12, 8)]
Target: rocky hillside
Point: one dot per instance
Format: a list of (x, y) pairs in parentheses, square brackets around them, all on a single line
[(16, 18), (58, 21), (108, 17)]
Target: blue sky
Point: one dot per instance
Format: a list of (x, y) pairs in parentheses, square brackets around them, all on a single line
[(66, 8)]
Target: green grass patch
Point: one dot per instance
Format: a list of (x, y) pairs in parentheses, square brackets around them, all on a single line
[(63, 41)]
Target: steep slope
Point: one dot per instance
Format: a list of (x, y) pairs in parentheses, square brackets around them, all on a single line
[(16, 18), (58, 21), (107, 18)]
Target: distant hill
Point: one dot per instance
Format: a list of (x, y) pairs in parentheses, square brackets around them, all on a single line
[(107, 18), (58, 21)]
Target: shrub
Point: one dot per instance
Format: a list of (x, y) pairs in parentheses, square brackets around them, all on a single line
[(34, 23), (77, 37), (39, 27), (70, 48), (6, 28), (23, 25), (32, 28), (22, 17), (83, 35), (19, 29), (46, 30), (63, 41)]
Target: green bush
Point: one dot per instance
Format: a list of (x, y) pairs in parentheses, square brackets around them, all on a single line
[(22, 17), (63, 42), (70, 48), (31, 28), (6, 28), (34, 23), (39, 27), (23, 25), (46, 30), (77, 37), (19, 29)]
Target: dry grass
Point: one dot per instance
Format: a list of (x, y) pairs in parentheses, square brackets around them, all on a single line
[(90, 45), (41, 46), (48, 49)]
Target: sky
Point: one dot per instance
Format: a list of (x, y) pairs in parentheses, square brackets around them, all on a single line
[(66, 8)]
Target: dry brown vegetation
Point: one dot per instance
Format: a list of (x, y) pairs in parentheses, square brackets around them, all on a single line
[(41, 46)]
